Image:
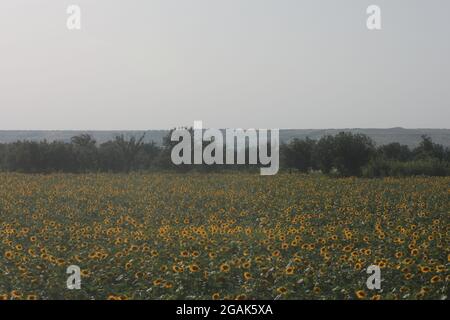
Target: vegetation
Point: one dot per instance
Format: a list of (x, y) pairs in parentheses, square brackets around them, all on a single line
[(222, 236), (344, 154)]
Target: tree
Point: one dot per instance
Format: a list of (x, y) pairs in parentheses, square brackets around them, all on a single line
[(86, 153), (3, 153), (57, 157), (23, 156), (147, 155), (395, 151), (324, 154), (352, 152), (298, 154), (428, 149), (129, 150), (110, 157)]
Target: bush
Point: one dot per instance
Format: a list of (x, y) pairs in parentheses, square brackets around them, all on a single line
[(423, 167)]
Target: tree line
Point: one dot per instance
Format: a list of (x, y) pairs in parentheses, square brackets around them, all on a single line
[(347, 154), (344, 154)]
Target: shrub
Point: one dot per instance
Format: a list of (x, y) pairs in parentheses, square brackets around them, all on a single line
[(425, 167)]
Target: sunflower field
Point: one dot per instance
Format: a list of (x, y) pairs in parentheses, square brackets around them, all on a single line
[(223, 236)]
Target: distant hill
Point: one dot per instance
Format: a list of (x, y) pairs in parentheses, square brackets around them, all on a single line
[(410, 137)]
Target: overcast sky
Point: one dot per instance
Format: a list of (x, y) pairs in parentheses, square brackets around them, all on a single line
[(156, 64)]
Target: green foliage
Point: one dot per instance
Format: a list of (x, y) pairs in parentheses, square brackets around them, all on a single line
[(344, 154), (351, 153), (298, 154), (395, 168), (395, 151)]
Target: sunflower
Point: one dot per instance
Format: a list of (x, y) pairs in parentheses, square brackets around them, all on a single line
[(194, 268), (31, 297), (177, 269), (247, 276), (404, 289), (289, 270), (85, 273), (241, 297), (215, 296), (157, 282), (376, 297), (440, 268), (259, 259), (9, 255), (435, 279), (424, 269), (382, 263), (212, 255), (347, 249), (408, 261), (184, 253), (154, 253), (16, 294), (282, 290), (360, 294), (224, 267)]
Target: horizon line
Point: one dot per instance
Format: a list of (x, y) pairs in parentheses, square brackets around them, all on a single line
[(168, 129)]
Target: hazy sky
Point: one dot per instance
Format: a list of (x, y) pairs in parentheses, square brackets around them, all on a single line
[(153, 64)]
